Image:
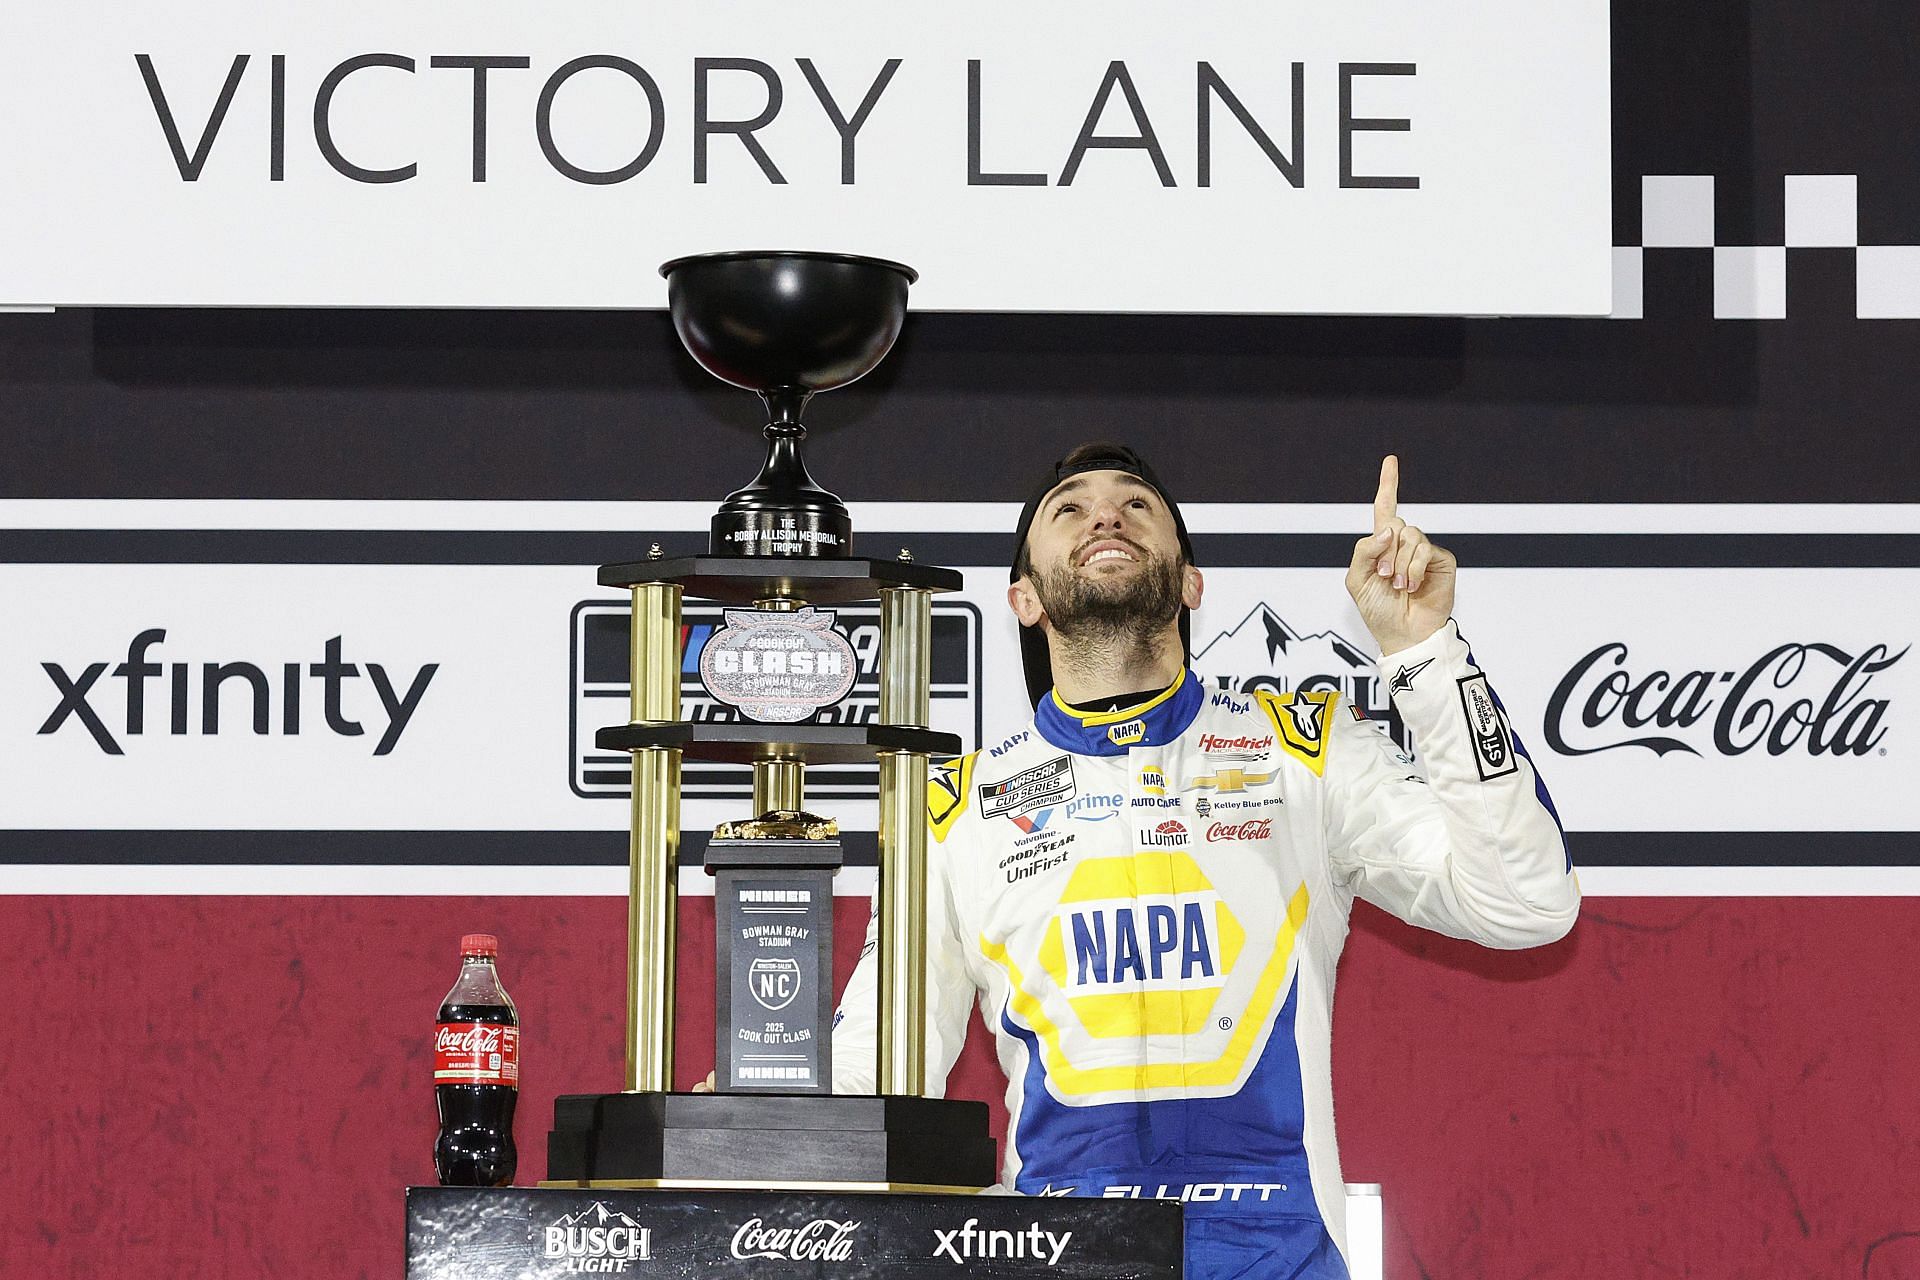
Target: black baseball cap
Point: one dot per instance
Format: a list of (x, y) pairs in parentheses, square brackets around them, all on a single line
[(1099, 455)]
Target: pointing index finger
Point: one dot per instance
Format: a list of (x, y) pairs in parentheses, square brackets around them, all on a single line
[(1388, 496)]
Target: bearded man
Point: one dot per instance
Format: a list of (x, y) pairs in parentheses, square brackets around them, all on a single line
[(1147, 888)]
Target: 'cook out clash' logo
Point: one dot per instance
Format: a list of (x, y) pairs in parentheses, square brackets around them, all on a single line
[(601, 686)]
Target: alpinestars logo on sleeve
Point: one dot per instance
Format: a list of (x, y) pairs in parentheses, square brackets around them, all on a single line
[(1403, 678)]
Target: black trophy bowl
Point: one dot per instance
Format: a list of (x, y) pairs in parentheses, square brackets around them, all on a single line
[(786, 324)]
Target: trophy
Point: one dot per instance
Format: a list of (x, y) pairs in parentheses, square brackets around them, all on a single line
[(785, 325)]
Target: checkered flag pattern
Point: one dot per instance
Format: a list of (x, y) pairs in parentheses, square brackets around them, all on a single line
[(1750, 281)]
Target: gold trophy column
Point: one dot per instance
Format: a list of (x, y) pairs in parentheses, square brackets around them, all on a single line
[(906, 634), (779, 782), (653, 887)]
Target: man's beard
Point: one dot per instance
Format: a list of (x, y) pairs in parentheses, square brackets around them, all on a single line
[(1130, 614)]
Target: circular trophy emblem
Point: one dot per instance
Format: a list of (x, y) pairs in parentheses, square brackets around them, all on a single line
[(778, 668), (774, 983)]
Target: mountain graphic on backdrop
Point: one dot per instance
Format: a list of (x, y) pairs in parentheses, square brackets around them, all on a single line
[(597, 1215), (1263, 643)]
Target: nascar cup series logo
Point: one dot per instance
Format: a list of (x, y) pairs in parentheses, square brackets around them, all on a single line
[(1143, 948), (778, 667)]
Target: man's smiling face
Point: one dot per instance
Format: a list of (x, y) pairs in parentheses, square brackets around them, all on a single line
[(1103, 553)]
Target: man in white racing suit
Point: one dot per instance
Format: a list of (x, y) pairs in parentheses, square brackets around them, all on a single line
[(1146, 890)]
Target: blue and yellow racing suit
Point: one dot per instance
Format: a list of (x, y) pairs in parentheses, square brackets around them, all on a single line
[(1149, 904)]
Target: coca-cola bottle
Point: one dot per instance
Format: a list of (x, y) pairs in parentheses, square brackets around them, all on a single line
[(476, 1072)]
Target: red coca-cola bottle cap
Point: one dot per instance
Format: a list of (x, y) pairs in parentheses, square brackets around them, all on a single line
[(479, 944)]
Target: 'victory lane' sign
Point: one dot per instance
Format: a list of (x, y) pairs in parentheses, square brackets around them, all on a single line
[(1373, 156)]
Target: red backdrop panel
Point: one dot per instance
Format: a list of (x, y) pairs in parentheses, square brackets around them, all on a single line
[(240, 1086)]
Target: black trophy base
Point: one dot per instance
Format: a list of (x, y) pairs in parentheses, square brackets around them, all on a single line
[(769, 1140)]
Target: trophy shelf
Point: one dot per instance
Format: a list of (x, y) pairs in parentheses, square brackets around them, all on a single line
[(743, 743), (744, 579)]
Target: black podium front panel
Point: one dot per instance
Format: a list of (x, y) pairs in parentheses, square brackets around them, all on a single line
[(520, 1234)]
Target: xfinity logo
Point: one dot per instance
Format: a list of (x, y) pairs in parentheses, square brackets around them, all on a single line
[(110, 700), (1804, 697), (965, 1243)]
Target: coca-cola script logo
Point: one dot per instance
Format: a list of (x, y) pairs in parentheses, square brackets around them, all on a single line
[(1809, 697), (474, 1038), (1250, 829), (476, 1053), (822, 1240)]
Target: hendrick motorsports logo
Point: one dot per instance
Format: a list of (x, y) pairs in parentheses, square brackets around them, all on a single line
[(598, 1241), (601, 688), (1263, 652)]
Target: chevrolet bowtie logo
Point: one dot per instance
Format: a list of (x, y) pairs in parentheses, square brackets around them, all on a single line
[(1226, 780)]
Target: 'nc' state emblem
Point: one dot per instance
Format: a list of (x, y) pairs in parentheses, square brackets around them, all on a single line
[(774, 983)]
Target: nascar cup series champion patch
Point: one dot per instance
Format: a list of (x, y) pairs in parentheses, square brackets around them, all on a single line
[(778, 667)]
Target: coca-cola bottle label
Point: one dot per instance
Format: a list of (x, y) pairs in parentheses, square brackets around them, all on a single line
[(476, 1053)]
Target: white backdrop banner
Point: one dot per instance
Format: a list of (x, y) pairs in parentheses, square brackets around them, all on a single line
[(445, 697), (1378, 156)]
